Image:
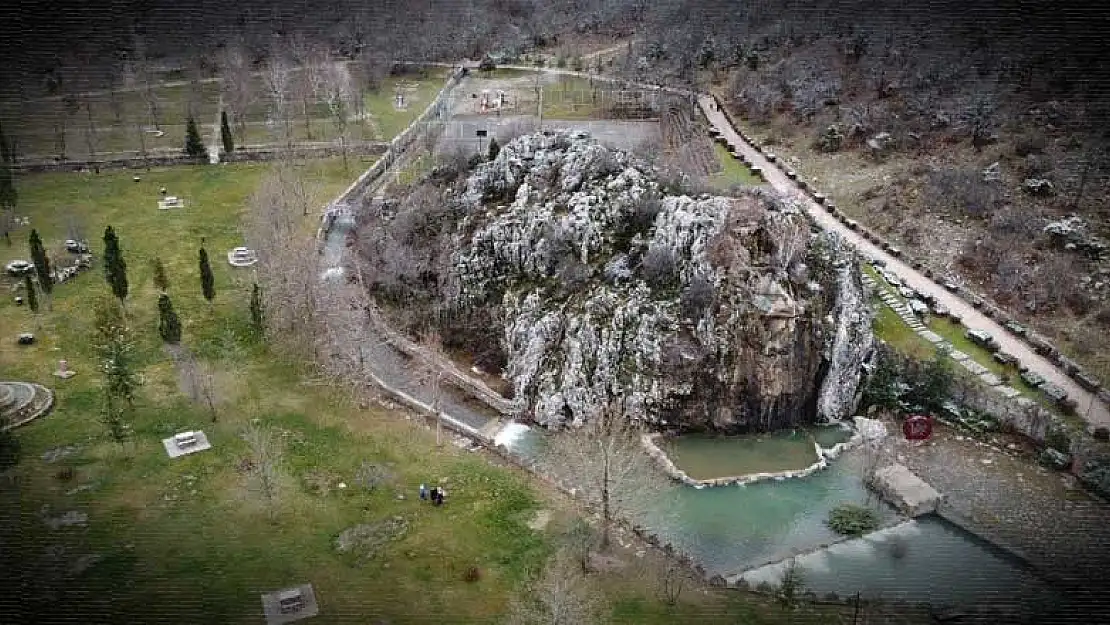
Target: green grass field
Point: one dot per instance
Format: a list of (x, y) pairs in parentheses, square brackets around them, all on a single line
[(186, 541), (118, 118), (890, 328), (732, 170)]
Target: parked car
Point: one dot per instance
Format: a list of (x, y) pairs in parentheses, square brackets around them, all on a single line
[(918, 307), (892, 279), (939, 309), (18, 268), (1015, 327), (907, 292), (1003, 358)]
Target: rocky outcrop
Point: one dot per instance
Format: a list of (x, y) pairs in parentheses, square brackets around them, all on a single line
[(723, 313)]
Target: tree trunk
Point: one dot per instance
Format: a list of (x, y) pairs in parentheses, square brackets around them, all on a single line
[(606, 513)]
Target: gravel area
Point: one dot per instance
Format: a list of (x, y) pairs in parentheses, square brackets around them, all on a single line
[(1005, 496)]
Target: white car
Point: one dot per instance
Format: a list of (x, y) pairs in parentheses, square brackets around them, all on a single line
[(892, 279), (907, 292), (18, 268)]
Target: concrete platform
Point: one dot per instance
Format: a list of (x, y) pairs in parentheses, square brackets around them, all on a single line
[(302, 597), (909, 493), (175, 451)]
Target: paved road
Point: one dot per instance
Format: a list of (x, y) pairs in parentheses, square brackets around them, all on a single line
[(1098, 414)]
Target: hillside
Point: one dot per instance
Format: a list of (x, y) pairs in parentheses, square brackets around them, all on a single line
[(967, 133)]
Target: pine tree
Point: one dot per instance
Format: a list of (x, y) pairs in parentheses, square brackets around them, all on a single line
[(169, 326), (42, 263), (256, 311), (115, 269), (32, 298), (8, 195), (194, 146), (494, 148), (225, 133), (207, 282), (161, 282)]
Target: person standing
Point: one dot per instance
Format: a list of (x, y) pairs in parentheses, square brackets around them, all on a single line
[(423, 492)]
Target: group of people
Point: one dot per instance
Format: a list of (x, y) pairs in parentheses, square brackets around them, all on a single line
[(437, 494)]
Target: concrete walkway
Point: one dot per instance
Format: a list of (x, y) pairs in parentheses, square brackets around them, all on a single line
[(1098, 413)]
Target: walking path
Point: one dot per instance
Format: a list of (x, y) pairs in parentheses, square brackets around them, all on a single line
[(1091, 408)]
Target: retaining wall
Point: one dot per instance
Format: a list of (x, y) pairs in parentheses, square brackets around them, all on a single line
[(247, 154), (668, 466)]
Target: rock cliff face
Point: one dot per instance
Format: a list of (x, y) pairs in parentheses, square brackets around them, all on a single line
[(713, 313)]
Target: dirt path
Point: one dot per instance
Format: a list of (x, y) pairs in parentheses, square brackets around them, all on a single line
[(1097, 414)]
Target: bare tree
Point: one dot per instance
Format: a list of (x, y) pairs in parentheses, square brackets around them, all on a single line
[(287, 262), (197, 380), (143, 74), (335, 90), (264, 467), (237, 93), (432, 374), (672, 581), (278, 78), (561, 596), (610, 467), (311, 59)]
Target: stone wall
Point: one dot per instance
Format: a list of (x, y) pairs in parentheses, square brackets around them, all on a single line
[(671, 469), (245, 154)]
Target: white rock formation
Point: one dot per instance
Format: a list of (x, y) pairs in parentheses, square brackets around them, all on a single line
[(717, 312)]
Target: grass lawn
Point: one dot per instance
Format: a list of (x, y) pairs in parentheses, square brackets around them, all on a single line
[(33, 124), (576, 98), (732, 170), (186, 540), (889, 327)]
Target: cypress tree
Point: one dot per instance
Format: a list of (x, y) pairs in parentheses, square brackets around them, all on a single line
[(115, 269), (32, 297), (256, 311), (207, 282), (169, 326), (225, 133), (42, 263), (161, 282), (194, 146), (494, 148), (8, 195)]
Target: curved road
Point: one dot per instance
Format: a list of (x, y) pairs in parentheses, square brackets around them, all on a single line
[(1098, 414)]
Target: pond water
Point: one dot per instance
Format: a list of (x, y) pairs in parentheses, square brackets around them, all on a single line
[(926, 559), (728, 529), (705, 456), (753, 529)]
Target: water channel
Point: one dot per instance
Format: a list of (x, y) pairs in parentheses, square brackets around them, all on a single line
[(747, 531)]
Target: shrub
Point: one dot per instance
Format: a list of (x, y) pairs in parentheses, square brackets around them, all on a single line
[(9, 450), (1029, 144), (960, 191), (697, 297), (659, 269), (852, 520), (472, 574)]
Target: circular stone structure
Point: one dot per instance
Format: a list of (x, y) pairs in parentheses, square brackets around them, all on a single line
[(23, 402)]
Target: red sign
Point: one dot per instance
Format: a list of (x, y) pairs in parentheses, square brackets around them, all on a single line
[(917, 427)]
